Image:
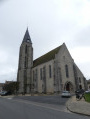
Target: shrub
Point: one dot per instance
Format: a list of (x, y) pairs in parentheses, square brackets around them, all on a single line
[(87, 97)]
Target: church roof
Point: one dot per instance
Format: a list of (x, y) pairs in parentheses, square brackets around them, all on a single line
[(27, 37), (47, 57)]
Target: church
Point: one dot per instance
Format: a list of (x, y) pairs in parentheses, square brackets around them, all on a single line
[(53, 72)]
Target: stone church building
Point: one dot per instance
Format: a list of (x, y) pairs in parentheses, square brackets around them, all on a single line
[(53, 72)]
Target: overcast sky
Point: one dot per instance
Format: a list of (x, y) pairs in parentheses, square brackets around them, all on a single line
[(50, 23)]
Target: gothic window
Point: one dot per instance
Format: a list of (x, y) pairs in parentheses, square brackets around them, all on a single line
[(26, 49), (33, 75), (41, 73), (50, 71), (59, 74), (79, 80), (42, 86), (25, 77), (25, 63), (44, 73), (67, 72)]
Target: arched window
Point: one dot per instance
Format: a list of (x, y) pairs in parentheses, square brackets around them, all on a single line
[(26, 49), (79, 80), (41, 73), (67, 72), (33, 75), (25, 63), (50, 71)]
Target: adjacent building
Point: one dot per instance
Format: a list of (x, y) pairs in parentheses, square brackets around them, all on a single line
[(53, 72), (88, 84), (1, 86)]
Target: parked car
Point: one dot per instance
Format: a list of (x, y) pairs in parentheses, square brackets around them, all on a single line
[(87, 91), (66, 94), (4, 93), (0, 92)]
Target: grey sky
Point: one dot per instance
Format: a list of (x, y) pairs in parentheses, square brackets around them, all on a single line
[(50, 23)]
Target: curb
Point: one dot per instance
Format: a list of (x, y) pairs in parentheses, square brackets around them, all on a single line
[(7, 96), (68, 106)]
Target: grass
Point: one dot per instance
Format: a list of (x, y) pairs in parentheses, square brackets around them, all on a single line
[(87, 97)]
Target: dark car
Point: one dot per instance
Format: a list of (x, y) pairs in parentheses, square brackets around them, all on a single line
[(4, 93), (79, 91)]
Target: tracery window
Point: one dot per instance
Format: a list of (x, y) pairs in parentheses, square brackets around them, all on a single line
[(50, 71), (41, 74), (66, 70)]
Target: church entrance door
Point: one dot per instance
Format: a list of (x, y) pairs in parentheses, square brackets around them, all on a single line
[(68, 86), (80, 86)]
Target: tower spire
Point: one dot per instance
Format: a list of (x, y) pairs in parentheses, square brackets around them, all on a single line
[(27, 37)]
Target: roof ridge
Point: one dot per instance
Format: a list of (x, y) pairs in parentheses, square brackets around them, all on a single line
[(47, 53)]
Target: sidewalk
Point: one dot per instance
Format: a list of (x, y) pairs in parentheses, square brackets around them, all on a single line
[(80, 107)]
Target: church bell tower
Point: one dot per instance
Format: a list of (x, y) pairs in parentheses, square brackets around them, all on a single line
[(25, 64)]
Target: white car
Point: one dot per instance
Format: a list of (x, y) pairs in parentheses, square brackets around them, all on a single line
[(66, 94), (88, 91)]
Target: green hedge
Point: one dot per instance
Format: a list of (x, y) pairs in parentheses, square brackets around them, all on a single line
[(87, 97)]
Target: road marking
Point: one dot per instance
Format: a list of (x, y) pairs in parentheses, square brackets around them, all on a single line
[(9, 98), (42, 105)]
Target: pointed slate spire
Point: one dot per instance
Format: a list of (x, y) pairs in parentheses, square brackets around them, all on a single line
[(27, 37)]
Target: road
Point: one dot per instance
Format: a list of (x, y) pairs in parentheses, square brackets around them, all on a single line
[(17, 108), (56, 100)]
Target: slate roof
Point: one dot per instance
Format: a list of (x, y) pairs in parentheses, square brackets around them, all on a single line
[(47, 57), (27, 37)]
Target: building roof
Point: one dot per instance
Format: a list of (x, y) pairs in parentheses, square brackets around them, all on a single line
[(7, 82), (47, 57), (27, 37)]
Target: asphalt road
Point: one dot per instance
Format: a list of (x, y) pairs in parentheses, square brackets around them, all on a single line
[(25, 109), (56, 100)]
